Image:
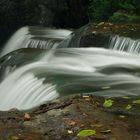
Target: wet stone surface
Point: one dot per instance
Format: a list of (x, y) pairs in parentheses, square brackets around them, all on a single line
[(64, 119)]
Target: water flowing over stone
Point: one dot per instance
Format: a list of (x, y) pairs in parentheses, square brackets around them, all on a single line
[(35, 37), (18, 58), (104, 35), (81, 62), (67, 71), (125, 44)]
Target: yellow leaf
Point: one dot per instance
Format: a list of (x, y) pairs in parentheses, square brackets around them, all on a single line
[(136, 102), (13, 138), (126, 97), (128, 107), (86, 133)]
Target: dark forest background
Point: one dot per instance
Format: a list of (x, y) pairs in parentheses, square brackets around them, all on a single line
[(120, 11), (64, 13)]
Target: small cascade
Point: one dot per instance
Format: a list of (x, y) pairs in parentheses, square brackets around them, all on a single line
[(35, 37), (125, 44), (67, 71), (42, 44)]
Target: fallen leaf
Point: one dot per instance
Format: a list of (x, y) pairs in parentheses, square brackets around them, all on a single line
[(105, 28), (126, 97), (70, 132), (110, 24), (86, 96), (71, 122), (86, 133), (27, 117), (122, 116), (129, 106), (136, 102), (108, 103), (13, 138), (101, 23)]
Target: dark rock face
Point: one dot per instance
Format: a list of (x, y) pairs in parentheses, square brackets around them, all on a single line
[(59, 13), (100, 35), (87, 36), (95, 40)]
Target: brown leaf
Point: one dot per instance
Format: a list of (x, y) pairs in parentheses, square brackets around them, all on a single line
[(71, 122), (27, 117)]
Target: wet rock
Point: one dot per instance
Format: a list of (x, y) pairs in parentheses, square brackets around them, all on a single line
[(48, 125)]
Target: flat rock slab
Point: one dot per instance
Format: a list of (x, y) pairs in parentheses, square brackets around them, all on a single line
[(64, 119)]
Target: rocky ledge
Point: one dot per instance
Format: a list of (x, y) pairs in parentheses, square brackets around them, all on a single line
[(75, 118)]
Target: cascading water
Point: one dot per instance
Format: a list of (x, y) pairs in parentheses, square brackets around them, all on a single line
[(35, 37), (63, 72), (125, 44), (36, 76), (87, 37)]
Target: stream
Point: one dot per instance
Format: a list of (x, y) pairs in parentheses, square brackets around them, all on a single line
[(38, 65)]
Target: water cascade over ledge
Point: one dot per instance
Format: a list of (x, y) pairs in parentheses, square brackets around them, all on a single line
[(125, 44), (63, 72), (58, 63), (35, 37)]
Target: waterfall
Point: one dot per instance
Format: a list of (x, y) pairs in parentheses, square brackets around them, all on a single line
[(35, 37), (31, 73), (67, 71), (125, 44)]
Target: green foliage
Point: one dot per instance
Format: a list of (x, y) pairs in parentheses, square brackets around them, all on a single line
[(121, 17), (104, 10), (100, 9)]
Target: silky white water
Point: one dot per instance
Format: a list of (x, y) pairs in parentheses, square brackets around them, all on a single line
[(67, 71), (35, 37), (125, 44), (30, 77)]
